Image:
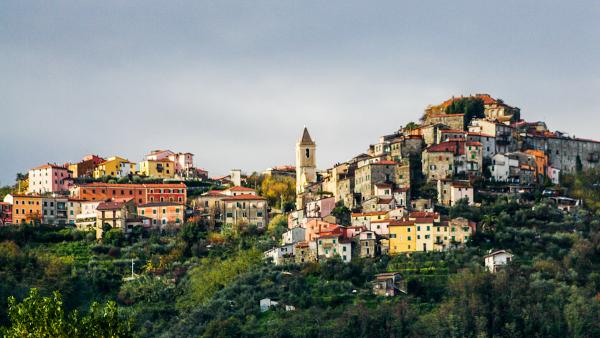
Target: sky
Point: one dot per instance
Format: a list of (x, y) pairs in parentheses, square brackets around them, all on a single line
[(235, 82)]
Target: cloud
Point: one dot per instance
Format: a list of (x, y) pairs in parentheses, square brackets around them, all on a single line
[(235, 82)]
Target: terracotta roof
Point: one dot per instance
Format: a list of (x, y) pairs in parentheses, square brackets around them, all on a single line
[(110, 205), (240, 188), (214, 193), (387, 220), (479, 134), (418, 214), (49, 165), (302, 245), (385, 162), (159, 204), (372, 213), (461, 184), (395, 223), (474, 144), (454, 147), (452, 131), (244, 198), (424, 220)]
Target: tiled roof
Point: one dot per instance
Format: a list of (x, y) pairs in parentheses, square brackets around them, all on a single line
[(455, 147), (479, 134), (419, 214), (159, 204), (110, 205), (456, 131), (244, 198), (401, 223), (240, 188), (385, 162), (372, 213), (49, 165)]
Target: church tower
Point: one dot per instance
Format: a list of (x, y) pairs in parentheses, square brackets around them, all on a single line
[(306, 164)]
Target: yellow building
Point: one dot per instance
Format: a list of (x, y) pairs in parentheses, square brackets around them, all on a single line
[(428, 234), (114, 166), (26, 209), (157, 168), (403, 236), (365, 218)]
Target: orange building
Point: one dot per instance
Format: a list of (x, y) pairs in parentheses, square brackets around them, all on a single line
[(541, 161), (314, 227), (25, 208), (161, 213), (140, 193)]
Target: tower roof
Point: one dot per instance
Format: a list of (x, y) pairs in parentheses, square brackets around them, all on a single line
[(306, 137)]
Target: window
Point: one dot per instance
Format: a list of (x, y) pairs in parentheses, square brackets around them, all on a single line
[(409, 238), (307, 153)]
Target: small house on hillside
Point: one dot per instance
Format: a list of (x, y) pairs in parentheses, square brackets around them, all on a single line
[(388, 284), (496, 260)]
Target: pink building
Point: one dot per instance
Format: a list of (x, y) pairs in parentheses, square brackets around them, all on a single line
[(320, 208), (49, 178), (5, 213), (183, 161)]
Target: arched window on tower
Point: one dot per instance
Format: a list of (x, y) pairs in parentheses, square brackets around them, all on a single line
[(307, 153)]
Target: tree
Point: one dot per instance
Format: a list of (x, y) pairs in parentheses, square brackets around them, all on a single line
[(471, 107), (411, 126), (278, 189), (38, 316), (277, 226), (341, 213)]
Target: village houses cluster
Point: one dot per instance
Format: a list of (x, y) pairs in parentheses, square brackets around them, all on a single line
[(152, 194), (394, 189), (384, 201)]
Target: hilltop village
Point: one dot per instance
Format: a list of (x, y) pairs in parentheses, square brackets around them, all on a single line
[(391, 199), (471, 222)]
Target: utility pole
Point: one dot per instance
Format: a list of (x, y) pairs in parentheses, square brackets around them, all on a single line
[(132, 268)]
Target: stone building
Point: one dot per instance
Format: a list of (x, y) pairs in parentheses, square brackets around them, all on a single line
[(565, 153), (453, 121), (373, 173), (306, 166)]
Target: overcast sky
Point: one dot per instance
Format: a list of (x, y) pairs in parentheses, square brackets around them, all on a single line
[(234, 82)]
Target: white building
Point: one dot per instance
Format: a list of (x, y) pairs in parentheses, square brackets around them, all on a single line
[(450, 192), (293, 235), (553, 175), (504, 168), (488, 143), (277, 254), (497, 259)]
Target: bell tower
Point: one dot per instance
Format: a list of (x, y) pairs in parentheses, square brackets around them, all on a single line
[(306, 164)]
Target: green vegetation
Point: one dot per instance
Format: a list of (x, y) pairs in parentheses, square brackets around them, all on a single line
[(472, 107), (200, 283)]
